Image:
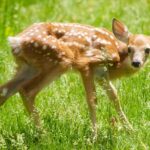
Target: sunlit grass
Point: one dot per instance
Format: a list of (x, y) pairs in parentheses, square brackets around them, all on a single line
[(62, 105)]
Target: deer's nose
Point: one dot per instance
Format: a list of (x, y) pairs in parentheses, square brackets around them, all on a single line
[(136, 64)]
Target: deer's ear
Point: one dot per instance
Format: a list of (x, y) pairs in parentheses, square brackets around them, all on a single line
[(120, 31)]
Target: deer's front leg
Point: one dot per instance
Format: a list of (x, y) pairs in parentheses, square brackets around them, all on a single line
[(112, 94), (88, 81)]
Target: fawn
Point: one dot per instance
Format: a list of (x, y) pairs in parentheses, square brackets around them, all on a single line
[(44, 51)]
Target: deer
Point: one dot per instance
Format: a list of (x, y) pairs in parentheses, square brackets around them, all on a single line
[(44, 51)]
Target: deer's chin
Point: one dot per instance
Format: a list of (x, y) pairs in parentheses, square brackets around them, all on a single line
[(136, 68)]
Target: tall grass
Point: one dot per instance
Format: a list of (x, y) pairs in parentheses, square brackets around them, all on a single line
[(62, 105)]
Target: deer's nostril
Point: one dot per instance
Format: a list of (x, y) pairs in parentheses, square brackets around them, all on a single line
[(136, 64)]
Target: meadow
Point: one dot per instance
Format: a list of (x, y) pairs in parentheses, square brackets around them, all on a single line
[(62, 105)]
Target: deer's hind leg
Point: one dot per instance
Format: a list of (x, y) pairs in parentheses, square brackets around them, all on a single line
[(29, 91), (25, 74)]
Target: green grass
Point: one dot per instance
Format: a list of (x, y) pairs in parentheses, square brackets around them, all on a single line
[(62, 105)]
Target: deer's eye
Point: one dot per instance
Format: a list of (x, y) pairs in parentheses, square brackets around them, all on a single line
[(129, 49), (147, 50)]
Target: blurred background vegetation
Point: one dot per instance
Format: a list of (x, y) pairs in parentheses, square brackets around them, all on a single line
[(62, 105)]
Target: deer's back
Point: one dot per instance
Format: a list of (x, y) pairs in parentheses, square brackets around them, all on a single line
[(73, 44)]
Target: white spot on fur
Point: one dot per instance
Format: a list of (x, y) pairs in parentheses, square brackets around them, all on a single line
[(32, 41), (89, 53), (63, 53), (114, 56), (53, 47), (116, 43), (75, 44), (44, 32), (88, 40), (36, 30), (94, 37), (111, 37), (44, 39), (79, 36), (53, 40), (67, 61), (15, 42), (39, 36), (27, 38), (103, 41), (101, 31), (31, 34)]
